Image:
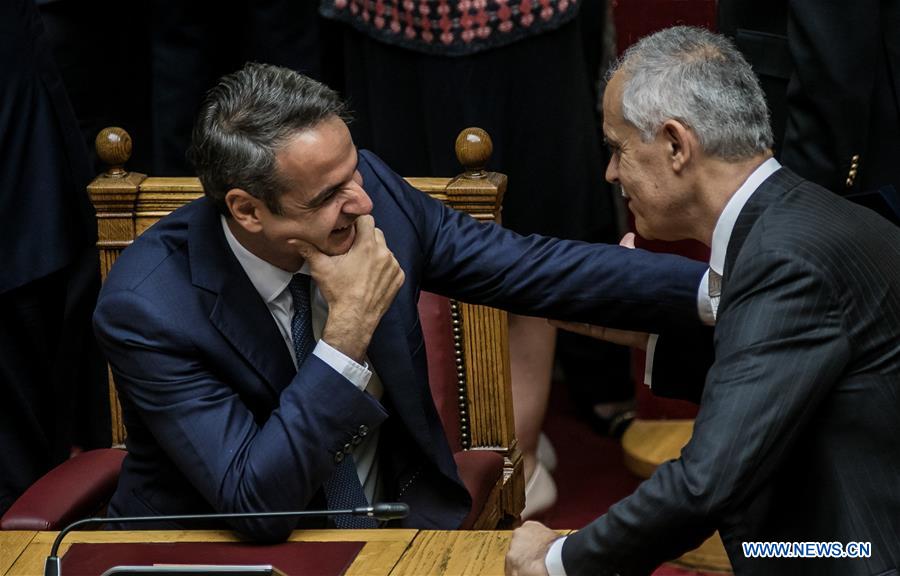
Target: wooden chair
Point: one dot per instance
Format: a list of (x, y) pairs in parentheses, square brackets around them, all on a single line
[(466, 345)]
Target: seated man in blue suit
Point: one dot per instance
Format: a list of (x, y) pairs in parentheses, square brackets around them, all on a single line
[(265, 338)]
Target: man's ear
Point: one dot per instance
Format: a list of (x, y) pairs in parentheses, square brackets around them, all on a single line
[(245, 209), (681, 143)]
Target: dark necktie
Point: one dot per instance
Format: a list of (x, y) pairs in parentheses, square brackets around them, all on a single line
[(343, 489)]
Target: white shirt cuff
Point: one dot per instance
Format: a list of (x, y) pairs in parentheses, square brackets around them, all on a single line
[(704, 306), (357, 374), (553, 559), (648, 359)]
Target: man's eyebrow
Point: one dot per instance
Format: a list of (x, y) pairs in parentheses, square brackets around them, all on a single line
[(325, 195)]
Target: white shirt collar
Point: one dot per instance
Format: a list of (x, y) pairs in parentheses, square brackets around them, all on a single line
[(728, 217), (268, 279)]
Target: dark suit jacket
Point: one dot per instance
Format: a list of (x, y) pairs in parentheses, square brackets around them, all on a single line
[(217, 416), (798, 434), (831, 74), (50, 272), (46, 219)]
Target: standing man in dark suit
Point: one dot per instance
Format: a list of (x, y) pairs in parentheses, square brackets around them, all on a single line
[(798, 434), (50, 272), (831, 74), (265, 339)]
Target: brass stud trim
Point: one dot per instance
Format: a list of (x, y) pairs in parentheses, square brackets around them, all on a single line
[(462, 383)]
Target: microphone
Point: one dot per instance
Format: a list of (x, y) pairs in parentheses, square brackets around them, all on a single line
[(381, 511)]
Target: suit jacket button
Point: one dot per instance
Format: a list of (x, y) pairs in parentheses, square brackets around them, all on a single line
[(356, 440), (338, 456), (363, 430), (347, 448)]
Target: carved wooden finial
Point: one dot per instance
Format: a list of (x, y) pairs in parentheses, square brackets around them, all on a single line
[(113, 146), (473, 150)]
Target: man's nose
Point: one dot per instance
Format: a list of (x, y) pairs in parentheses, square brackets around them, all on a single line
[(359, 203), (612, 171)]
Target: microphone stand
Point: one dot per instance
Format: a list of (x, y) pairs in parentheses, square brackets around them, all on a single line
[(381, 511)]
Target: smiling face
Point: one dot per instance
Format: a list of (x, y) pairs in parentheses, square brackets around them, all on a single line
[(644, 170), (324, 197)]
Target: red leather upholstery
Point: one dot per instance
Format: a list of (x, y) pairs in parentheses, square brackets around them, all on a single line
[(77, 488), (320, 558), (480, 470), (437, 326)]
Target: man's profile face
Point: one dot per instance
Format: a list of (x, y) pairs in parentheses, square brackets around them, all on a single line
[(324, 195), (642, 169)]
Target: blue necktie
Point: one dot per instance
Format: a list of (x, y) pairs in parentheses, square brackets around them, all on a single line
[(343, 489)]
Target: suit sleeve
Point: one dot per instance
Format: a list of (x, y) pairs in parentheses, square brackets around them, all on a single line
[(681, 362), (539, 276), (237, 464), (780, 346)]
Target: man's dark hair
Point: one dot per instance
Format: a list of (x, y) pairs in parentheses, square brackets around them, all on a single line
[(243, 123)]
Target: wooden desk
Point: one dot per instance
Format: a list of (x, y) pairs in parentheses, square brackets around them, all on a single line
[(12, 544), (378, 557), (386, 552), (456, 553)]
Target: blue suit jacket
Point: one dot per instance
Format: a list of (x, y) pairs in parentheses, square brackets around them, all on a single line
[(219, 420)]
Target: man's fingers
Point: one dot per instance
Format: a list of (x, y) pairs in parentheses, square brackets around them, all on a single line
[(364, 225), (527, 550), (576, 327), (627, 240), (621, 337), (306, 250)]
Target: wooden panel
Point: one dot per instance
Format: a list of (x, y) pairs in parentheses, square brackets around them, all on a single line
[(487, 364), (12, 544), (117, 422), (445, 553), (648, 443), (709, 556), (380, 554)]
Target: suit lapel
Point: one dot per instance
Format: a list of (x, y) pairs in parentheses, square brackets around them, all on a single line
[(391, 359), (238, 312), (768, 192)]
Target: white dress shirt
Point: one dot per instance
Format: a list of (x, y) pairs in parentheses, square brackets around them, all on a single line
[(272, 284), (721, 237)]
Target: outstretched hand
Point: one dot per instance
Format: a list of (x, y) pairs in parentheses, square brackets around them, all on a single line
[(359, 287)]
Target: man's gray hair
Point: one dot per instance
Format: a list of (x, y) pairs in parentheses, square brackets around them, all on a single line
[(698, 78), (243, 123)]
